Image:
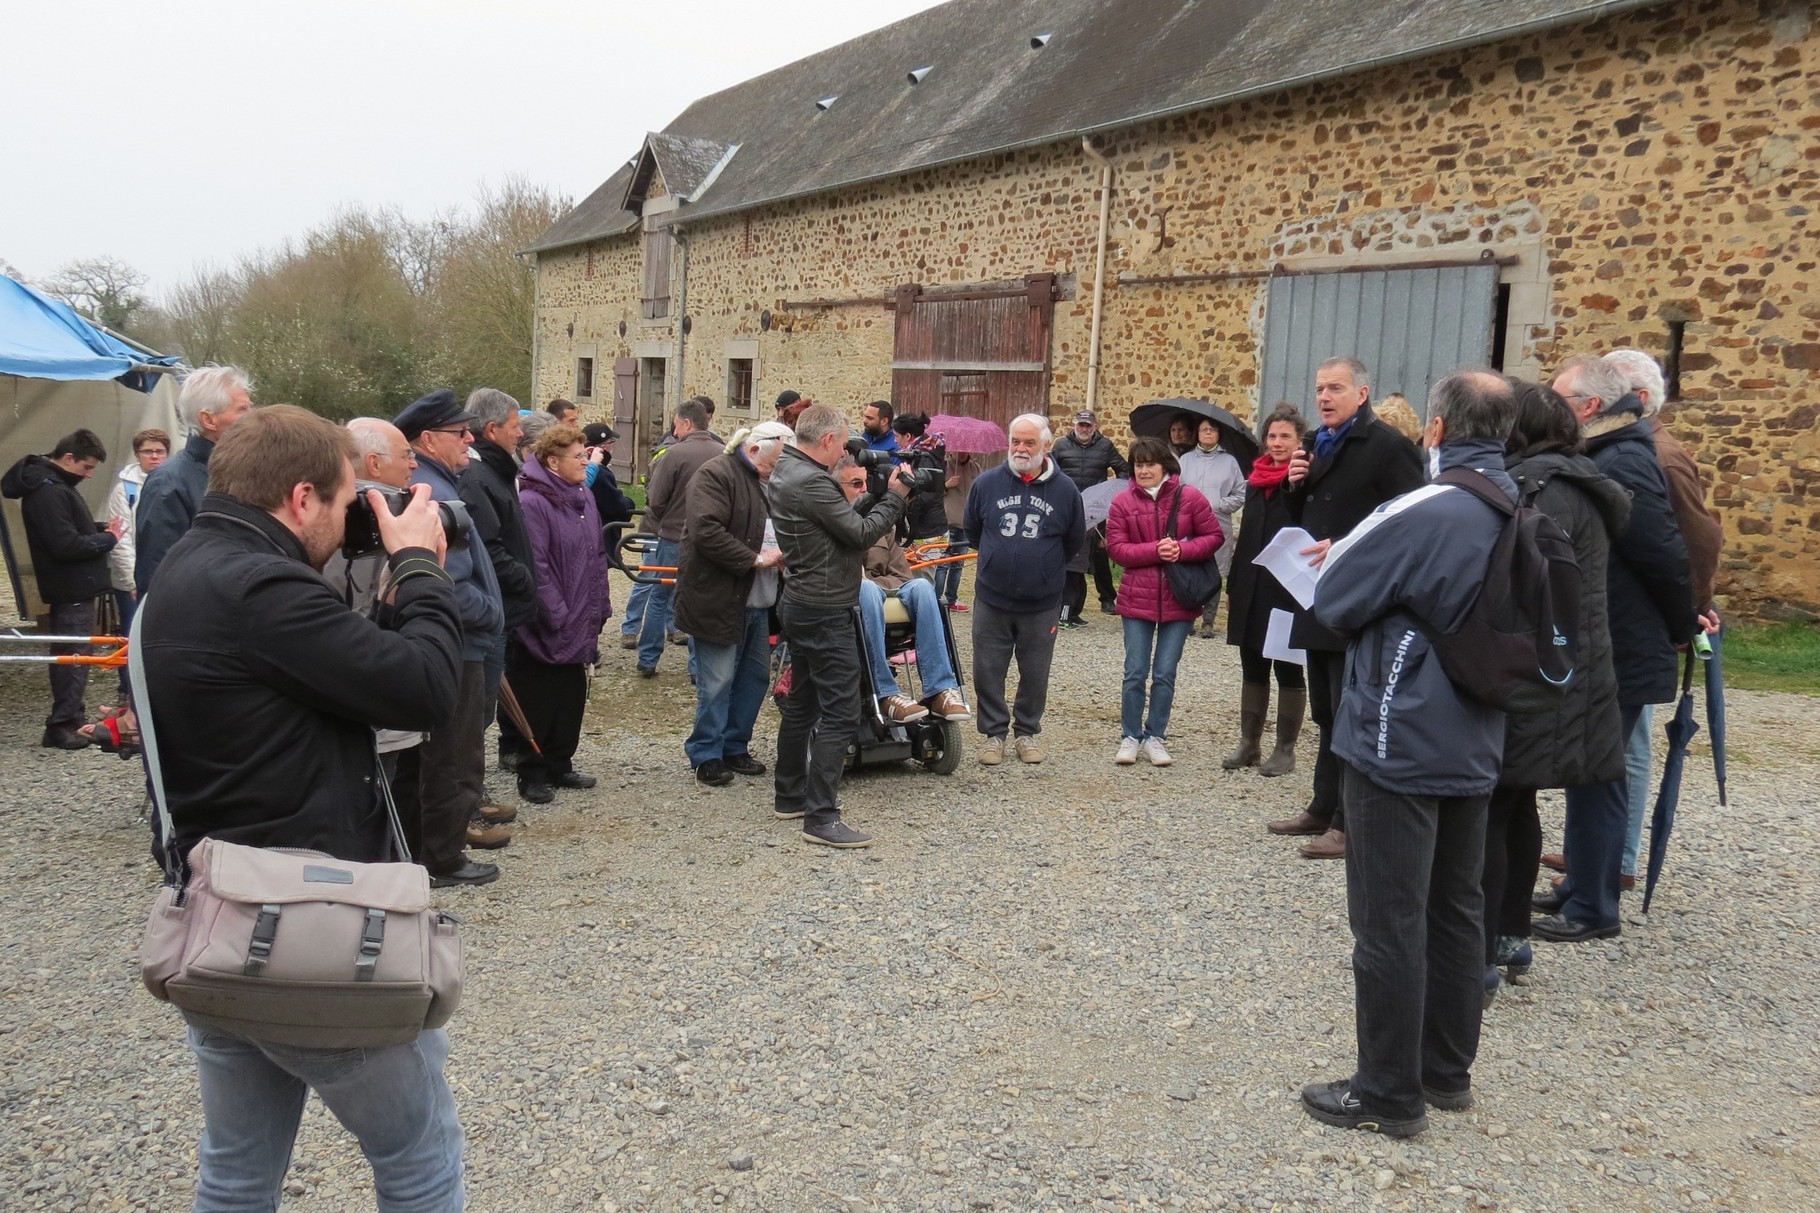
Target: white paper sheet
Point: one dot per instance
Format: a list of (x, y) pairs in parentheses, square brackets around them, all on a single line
[(1276, 639), (1282, 560)]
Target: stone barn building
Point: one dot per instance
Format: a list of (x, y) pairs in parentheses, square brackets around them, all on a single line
[(1007, 205)]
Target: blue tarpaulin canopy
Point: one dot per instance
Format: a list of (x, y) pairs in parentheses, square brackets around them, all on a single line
[(42, 338)]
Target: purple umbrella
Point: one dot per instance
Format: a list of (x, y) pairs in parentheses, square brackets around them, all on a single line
[(973, 435)]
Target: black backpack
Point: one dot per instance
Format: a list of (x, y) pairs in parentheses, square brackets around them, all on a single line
[(1517, 647)]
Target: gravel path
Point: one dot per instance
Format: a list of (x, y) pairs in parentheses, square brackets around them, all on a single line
[(1070, 986)]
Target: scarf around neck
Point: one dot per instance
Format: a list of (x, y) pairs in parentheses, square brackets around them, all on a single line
[(1267, 475)]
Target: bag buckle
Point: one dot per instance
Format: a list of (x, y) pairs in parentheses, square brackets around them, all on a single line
[(372, 938), (265, 931)]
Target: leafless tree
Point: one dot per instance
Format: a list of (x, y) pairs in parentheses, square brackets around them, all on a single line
[(107, 289)]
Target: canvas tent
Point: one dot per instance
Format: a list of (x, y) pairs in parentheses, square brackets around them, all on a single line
[(60, 373)]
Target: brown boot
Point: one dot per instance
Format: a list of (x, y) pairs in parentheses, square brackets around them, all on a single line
[(1290, 706), (498, 814), (1331, 845), (489, 837), (1253, 699), (1302, 823)]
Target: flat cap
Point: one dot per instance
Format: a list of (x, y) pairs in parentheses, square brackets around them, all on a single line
[(431, 412)]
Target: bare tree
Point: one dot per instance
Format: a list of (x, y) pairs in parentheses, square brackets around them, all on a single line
[(106, 288), (7, 268), (197, 314)]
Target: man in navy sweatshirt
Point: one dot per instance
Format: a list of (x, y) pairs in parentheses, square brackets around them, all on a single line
[(1026, 521)]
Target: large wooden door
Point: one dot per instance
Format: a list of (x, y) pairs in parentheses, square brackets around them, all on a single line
[(974, 353)]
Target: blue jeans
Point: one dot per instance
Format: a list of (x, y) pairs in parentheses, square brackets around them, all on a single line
[(660, 606), (1152, 650), (730, 685), (1593, 841), (932, 661), (634, 616), (1638, 767), (948, 576), (393, 1100)]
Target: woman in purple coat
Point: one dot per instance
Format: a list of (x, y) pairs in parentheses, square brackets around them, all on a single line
[(1156, 622), (548, 659)]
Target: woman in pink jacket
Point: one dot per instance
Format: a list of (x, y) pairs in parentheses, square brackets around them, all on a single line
[(1156, 624)]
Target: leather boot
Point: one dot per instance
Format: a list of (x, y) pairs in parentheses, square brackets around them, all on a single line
[(1290, 707), (1253, 699)]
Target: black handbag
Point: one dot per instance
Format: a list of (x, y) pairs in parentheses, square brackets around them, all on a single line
[(1194, 584)]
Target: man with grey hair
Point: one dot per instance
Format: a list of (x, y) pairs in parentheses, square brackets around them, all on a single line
[(824, 542), (1420, 759), (1701, 532), (489, 488), (1649, 598), (1348, 467), (1026, 521), (212, 400)]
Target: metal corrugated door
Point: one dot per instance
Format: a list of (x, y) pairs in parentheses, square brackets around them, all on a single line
[(1409, 327)]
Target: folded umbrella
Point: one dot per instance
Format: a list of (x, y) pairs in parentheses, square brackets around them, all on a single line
[(1153, 420), (1680, 729), (1713, 674), (509, 701)]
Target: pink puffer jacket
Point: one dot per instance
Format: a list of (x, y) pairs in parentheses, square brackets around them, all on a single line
[(1132, 531)]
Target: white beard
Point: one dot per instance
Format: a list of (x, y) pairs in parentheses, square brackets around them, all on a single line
[(1024, 464)]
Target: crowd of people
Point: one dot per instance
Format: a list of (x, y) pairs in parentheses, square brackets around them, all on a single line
[(368, 600)]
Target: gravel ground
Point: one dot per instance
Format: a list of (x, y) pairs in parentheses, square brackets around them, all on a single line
[(1060, 987)]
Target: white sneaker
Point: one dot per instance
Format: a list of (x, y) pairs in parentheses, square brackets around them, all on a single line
[(1154, 751), (1128, 752)]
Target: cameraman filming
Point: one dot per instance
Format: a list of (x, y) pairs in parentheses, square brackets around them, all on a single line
[(265, 689), (824, 542)]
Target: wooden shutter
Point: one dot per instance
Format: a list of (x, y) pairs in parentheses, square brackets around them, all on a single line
[(625, 412), (978, 353)]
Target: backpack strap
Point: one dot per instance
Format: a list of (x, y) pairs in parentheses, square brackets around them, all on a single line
[(1479, 485)]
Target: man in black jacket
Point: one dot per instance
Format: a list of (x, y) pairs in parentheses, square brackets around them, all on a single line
[(265, 689), (1346, 469), (69, 559), (489, 488), (212, 401), (1085, 456)]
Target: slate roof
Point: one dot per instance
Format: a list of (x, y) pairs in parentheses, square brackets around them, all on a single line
[(1107, 64)]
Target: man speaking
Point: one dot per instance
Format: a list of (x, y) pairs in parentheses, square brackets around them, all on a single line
[(824, 542)]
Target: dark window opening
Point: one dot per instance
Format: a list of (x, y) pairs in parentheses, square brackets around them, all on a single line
[(1671, 362), (963, 394), (584, 377), (1500, 323), (739, 385)]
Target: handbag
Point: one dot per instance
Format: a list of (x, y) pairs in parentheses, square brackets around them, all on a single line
[(1194, 583), (291, 946)]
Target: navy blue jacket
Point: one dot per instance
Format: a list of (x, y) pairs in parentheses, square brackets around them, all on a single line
[(167, 505), (1025, 532), (471, 569)]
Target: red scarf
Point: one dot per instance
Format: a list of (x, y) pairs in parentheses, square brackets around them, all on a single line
[(1267, 475)]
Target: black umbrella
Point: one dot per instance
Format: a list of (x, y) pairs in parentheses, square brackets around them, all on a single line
[(1152, 421), (1713, 674), (1680, 730)]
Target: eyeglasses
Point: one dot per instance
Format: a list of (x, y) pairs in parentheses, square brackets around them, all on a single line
[(449, 429), (856, 483)]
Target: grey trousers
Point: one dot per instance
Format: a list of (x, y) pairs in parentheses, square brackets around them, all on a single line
[(452, 777), (999, 636)]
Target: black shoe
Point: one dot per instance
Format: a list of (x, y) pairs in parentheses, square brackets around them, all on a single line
[(63, 739), (837, 834), (1109, 606), (647, 671), (537, 791), (1448, 1101), (1546, 903), (1558, 928), (508, 760), (1333, 1103), (744, 764), (468, 873), (713, 773), (575, 779)]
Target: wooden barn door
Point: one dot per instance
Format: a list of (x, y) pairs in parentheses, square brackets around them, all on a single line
[(627, 452), (974, 353)]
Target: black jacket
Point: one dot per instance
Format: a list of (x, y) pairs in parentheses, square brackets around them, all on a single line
[(167, 503), (1372, 464), (823, 538), (926, 512), (721, 539), (265, 687), (489, 488), (69, 551), (609, 498), (1648, 581), (1576, 742), (1251, 592), (1087, 463)]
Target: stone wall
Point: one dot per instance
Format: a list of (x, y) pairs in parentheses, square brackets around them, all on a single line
[(1652, 169)]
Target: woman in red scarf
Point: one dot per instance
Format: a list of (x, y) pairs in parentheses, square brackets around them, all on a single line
[(1252, 593)]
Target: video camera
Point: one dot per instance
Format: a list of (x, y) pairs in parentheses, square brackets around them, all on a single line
[(878, 467), (362, 535)]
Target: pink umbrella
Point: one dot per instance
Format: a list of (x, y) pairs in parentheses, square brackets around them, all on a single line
[(970, 434)]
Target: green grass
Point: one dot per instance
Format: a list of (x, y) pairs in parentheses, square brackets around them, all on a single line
[(1773, 657)]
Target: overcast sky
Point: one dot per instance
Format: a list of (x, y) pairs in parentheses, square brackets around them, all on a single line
[(192, 131)]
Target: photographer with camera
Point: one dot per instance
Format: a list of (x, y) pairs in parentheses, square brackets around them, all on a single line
[(824, 542), (452, 781), (265, 690)]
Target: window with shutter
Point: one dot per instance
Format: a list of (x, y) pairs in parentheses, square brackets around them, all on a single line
[(655, 301)]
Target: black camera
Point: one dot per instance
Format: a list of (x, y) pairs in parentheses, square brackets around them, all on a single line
[(864, 456), (362, 535)]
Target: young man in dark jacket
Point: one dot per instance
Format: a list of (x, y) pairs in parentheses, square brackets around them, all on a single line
[(212, 400), (1348, 467), (1085, 455), (265, 690), (1026, 520), (1650, 594), (1420, 760), (69, 559), (666, 509)]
